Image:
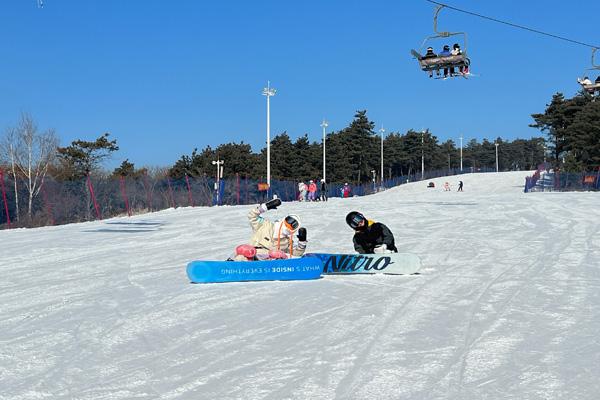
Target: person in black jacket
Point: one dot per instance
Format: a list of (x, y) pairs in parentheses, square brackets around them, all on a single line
[(323, 190), (370, 237)]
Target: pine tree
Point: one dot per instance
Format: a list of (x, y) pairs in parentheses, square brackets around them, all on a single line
[(237, 157), (555, 121), (125, 169), (284, 158), (583, 139), (82, 157)]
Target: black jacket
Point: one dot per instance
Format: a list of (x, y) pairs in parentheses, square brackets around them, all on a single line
[(374, 235)]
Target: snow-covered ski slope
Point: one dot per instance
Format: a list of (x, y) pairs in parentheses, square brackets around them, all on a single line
[(507, 305)]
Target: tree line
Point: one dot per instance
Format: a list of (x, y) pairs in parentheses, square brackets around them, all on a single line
[(354, 152), (29, 155)]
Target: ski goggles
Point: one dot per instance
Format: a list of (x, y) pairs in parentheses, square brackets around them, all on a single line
[(291, 223), (357, 221)]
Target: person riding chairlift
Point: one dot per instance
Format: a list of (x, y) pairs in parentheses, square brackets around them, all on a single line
[(430, 54), (456, 51), (446, 53), (586, 82)]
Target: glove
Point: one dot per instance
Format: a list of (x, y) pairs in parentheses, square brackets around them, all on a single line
[(381, 249), (270, 205), (302, 234), (277, 255), (273, 204)]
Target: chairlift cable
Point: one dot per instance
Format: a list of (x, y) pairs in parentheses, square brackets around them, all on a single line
[(515, 25)]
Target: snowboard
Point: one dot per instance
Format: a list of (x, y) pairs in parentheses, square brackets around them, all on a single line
[(388, 263), (269, 270)]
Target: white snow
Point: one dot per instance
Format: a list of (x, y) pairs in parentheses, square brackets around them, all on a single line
[(507, 305)]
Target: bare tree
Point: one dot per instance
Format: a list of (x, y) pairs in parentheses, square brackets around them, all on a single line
[(33, 152), (7, 153)]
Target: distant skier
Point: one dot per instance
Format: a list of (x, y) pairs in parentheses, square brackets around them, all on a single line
[(323, 190), (460, 186), (346, 190), (272, 240), (312, 191), (446, 187), (370, 237), (302, 191)]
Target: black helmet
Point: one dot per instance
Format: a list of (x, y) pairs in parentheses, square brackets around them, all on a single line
[(446, 47), (292, 222), (354, 218)]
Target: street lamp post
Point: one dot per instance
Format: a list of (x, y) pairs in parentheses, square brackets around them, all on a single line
[(268, 91), (545, 151), (324, 125), (374, 179), (382, 131), (422, 155), (496, 156), (461, 138), (219, 164)]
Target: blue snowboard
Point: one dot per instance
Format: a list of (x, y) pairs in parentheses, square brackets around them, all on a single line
[(389, 263), (269, 270)]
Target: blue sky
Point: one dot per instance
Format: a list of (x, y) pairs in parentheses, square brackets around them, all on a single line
[(164, 77)]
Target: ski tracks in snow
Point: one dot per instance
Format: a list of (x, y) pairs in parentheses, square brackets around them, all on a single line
[(506, 305)]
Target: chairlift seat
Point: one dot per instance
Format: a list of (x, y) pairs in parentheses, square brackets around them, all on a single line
[(436, 63), (592, 87), (591, 90)]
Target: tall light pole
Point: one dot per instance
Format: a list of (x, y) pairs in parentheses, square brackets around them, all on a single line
[(324, 125), (422, 155), (374, 179), (496, 156), (219, 164), (382, 131), (545, 151), (461, 138), (268, 91)]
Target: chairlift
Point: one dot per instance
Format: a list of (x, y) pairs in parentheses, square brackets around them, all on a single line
[(452, 63), (591, 88)]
